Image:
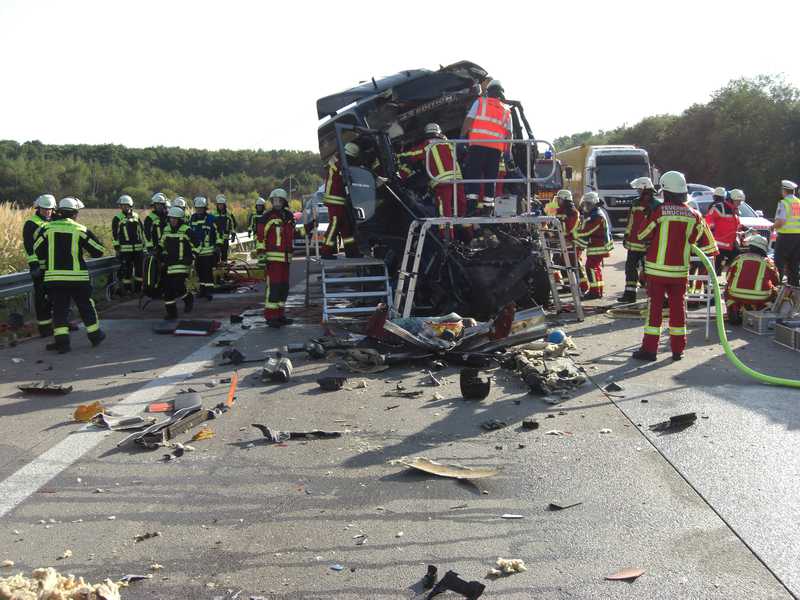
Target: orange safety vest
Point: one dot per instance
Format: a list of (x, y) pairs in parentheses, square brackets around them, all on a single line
[(489, 123)]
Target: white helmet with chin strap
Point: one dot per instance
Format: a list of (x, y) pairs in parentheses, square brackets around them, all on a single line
[(175, 212), (45, 201)]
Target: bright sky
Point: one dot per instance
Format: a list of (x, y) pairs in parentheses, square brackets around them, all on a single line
[(236, 74)]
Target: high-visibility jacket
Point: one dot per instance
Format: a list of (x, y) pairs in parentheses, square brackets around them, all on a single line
[(275, 234), (128, 232), (594, 234), (153, 226), (490, 122), (637, 218), (791, 206), (203, 230), (570, 219), (552, 207), (333, 186), (670, 231), (29, 229), (177, 250), (440, 158), (723, 219), (706, 241), (752, 278), (226, 226), (251, 223), (60, 245)]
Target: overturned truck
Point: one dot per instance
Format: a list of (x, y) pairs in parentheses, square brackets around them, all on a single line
[(505, 263)]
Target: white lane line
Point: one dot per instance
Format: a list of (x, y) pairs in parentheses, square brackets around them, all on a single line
[(30, 478)]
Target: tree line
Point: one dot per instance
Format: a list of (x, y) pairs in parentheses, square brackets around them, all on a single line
[(99, 174), (746, 136)]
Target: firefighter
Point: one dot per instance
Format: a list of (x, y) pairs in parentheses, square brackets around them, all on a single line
[(723, 220), (570, 219), (637, 216), (177, 254), (488, 119), (128, 234), (59, 246), (180, 202), (155, 221), (340, 225), (669, 232), (275, 231), (203, 230), (787, 224), (752, 280), (226, 228), (594, 236), (261, 205), (44, 205)]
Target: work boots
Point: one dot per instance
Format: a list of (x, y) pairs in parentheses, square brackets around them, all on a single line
[(642, 354), (627, 298), (61, 345), (96, 337)]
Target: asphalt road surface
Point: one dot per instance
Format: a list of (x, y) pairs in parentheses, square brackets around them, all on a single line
[(709, 512)]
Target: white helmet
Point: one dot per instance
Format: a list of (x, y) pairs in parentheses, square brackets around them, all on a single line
[(433, 129), (261, 202), (179, 202), (200, 201), (70, 203), (125, 199), (278, 193), (642, 183), (720, 192), (590, 199), (352, 150), (674, 182), (175, 212), (220, 199), (45, 201), (495, 83), (81, 205), (158, 198), (737, 195), (758, 241), (167, 203), (788, 185), (564, 195)]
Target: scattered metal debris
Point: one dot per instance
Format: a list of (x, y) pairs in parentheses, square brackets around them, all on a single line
[(562, 505), (675, 423), (453, 583), (427, 465), (146, 536), (429, 579), (274, 436), (277, 369), (86, 412), (613, 387), (44, 387)]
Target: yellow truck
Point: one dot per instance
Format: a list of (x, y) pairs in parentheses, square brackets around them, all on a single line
[(607, 170)]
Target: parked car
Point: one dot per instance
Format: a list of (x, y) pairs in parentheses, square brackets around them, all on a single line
[(751, 219)]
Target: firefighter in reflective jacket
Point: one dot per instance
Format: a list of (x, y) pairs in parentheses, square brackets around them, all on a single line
[(60, 245), (594, 236), (340, 225), (752, 280), (570, 219), (723, 220), (128, 234), (204, 237), (177, 255), (787, 224), (275, 232), (637, 217), (155, 221), (44, 205), (261, 206), (669, 232), (226, 228)]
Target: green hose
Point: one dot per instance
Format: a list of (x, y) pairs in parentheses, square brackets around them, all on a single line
[(723, 338)]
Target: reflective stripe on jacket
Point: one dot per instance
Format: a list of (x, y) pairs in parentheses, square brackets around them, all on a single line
[(723, 219), (203, 230), (60, 245), (595, 234), (275, 235), (29, 229), (637, 218), (177, 250), (670, 231), (128, 232), (490, 123), (751, 277), (792, 210), (334, 184)]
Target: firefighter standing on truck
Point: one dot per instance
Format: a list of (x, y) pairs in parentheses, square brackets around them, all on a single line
[(203, 230), (44, 205), (128, 234), (787, 224), (177, 255), (340, 213), (594, 236), (669, 232), (723, 221), (488, 119), (226, 228), (275, 232), (752, 280), (637, 217), (59, 246)]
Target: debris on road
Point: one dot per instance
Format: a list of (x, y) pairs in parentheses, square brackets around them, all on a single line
[(392, 407), (474, 387), (675, 423), (204, 434), (556, 432), (146, 536), (606, 430), (511, 516), (331, 384), (530, 424), (156, 567), (7, 564), (67, 554), (629, 575), (44, 387), (427, 465), (562, 505), (507, 566), (115, 423), (133, 577), (403, 394), (48, 584), (451, 582), (274, 436), (613, 387), (277, 369), (493, 424), (337, 568), (86, 412), (429, 579)]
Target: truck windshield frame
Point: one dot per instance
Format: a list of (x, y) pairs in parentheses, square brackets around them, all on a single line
[(543, 166), (617, 172)]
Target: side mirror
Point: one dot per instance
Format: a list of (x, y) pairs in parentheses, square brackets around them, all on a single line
[(568, 172), (760, 213)]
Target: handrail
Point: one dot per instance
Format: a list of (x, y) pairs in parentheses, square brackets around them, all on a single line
[(20, 283)]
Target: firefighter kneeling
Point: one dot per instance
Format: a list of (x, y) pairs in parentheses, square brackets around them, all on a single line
[(752, 280), (275, 233)]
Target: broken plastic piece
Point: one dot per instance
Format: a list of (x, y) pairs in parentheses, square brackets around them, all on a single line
[(675, 423), (44, 387), (511, 516), (427, 465), (130, 578), (493, 424), (530, 424), (204, 434), (232, 390), (626, 575), (159, 407), (453, 583), (122, 423), (473, 387), (276, 436), (85, 412), (277, 369), (562, 505), (331, 384)]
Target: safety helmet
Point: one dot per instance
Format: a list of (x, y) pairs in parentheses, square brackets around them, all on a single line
[(69, 203), (495, 84), (179, 202), (433, 129), (45, 201), (200, 201), (788, 185), (590, 199), (175, 212), (158, 198), (642, 183), (737, 195), (125, 199), (261, 202), (167, 203), (278, 193), (81, 205), (220, 199), (758, 241), (564, 195), (352, 150), (674, 182), (720, 192)]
